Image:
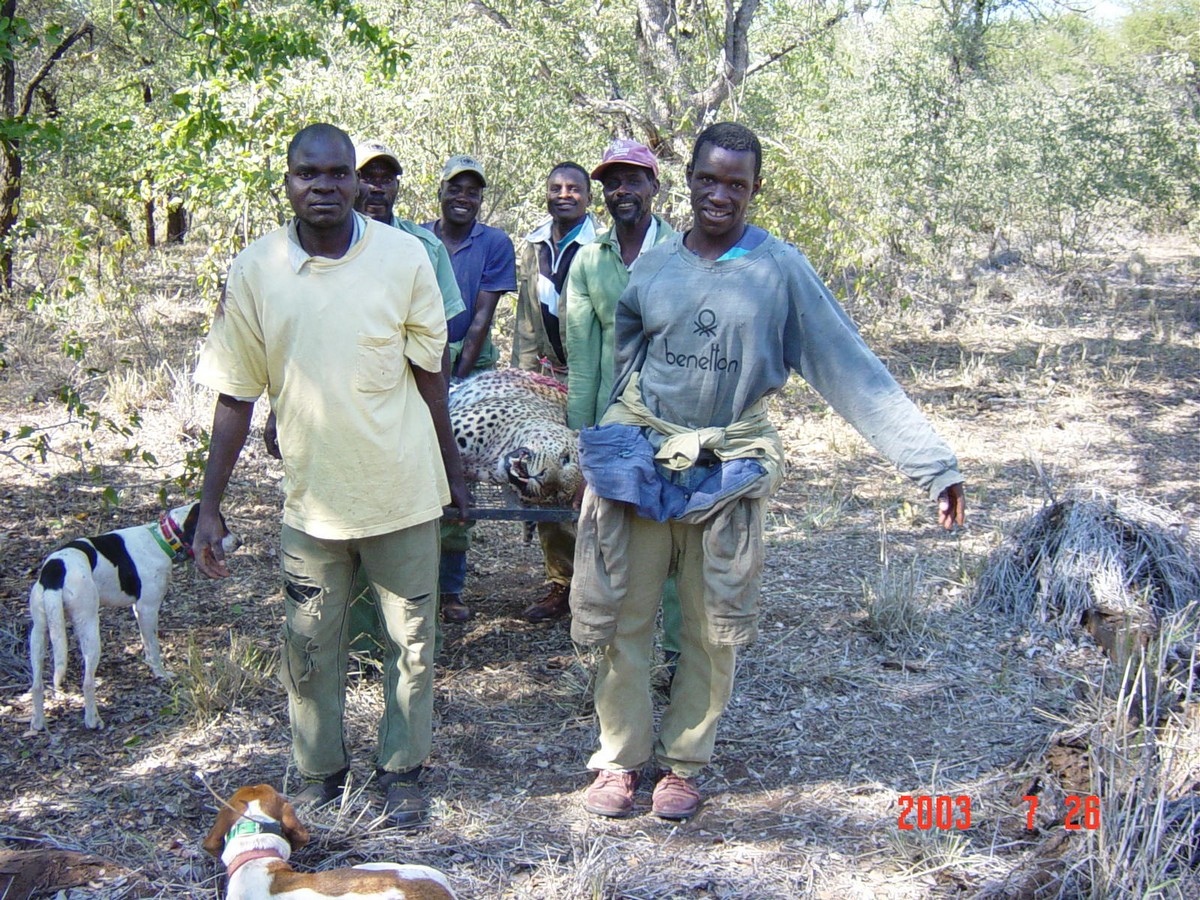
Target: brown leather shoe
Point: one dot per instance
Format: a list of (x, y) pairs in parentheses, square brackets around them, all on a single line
[(611, 794), (674, 797), (454, 610), (555, 605)]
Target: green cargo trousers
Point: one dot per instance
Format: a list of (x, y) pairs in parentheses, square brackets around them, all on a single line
[(318, 578)]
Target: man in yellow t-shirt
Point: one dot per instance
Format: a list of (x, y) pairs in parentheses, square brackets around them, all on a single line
[(340, 321)]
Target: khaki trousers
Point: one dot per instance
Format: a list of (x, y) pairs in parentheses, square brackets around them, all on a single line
[(558, 550), (704, 678), (319, 585)]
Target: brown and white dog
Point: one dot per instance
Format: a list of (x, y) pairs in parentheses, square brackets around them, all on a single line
[(130, 567), (255, 834)]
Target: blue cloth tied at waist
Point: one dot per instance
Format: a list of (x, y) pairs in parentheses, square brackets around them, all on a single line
[(619, 464)]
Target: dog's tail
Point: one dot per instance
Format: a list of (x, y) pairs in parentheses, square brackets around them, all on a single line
[(46, 609), (56, 623)]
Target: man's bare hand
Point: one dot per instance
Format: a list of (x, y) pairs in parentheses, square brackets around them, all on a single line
[(206, 545), (951, 507), (271, 436), (460, 498)]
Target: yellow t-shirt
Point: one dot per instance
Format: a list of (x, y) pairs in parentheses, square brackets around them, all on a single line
[(330, 341)]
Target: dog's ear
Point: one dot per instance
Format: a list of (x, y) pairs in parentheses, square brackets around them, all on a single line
[(230, 813), (293, 830), (189, 524)]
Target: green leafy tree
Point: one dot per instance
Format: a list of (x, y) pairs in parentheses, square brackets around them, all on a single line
[(172, 103), (1168, 29)]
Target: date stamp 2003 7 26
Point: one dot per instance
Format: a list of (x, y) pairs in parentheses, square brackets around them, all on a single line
[(923, 812)]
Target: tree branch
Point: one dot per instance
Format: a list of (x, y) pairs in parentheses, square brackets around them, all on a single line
[(619, 107), (83, 30), (657, 48), (735, 56), (773, 58), (825, 26), (489, 12)]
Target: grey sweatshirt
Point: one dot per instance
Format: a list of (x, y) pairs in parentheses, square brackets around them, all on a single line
[(711, 338)]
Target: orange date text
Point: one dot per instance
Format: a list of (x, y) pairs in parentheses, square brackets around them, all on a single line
[(923, 812)]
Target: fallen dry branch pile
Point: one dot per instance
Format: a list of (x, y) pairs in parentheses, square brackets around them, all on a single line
[(1090, 551)]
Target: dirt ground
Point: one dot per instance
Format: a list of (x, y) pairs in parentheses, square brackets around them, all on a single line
[(1039, 382)]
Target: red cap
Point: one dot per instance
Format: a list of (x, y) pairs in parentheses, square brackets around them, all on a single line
[(626, 152)]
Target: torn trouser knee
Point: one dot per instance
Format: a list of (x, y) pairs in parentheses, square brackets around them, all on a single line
[(317, 576)]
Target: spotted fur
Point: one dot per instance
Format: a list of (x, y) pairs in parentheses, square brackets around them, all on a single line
[(511, 429)]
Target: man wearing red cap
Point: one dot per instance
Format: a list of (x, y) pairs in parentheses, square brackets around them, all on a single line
[(628, 172)]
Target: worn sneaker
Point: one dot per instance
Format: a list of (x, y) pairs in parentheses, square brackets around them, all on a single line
[(318, 792), (611, 794), (674, 797), (404, 802)]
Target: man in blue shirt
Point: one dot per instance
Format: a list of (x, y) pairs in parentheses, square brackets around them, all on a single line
[(485, 266)]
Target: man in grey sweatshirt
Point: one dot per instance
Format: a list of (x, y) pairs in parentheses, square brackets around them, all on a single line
[(713, 322)]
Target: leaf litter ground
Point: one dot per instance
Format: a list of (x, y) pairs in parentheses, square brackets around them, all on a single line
[(1038, 383)]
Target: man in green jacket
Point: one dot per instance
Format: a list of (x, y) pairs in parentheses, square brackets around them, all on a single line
[(628, 173)]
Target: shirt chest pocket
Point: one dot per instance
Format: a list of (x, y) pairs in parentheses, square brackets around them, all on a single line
[(378, 362)]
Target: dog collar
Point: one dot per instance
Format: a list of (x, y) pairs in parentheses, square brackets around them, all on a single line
[(244, 826), (275, 845), (168, 536), (242, 858)]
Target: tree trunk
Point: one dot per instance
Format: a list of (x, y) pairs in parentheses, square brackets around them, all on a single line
[(10, 194), (13, 107), (10, 160), (150, 223), (177, 224)]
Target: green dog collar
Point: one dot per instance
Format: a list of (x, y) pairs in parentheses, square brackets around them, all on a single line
[(166, 548), (244, 826)]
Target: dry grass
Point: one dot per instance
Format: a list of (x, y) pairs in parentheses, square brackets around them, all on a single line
[(1034, 380), (896, 610), (213, 680), (1142, 774)]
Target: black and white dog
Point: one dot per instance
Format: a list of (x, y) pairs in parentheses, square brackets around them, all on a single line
[(129, 567)]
